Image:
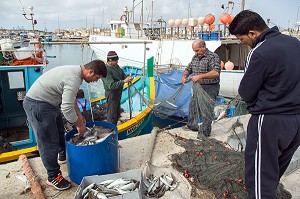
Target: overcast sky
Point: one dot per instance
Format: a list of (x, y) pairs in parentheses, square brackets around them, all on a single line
[(63, 14)]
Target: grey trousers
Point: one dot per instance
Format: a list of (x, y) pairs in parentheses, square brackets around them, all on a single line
[(196, 109), (113, 100), (47, 124)]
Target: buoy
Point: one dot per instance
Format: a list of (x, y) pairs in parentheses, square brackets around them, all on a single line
[(229, 65), (209, 19), (222, 65), (185, 22), (178, 22), (171, 22), (225, 18), (201, 21)]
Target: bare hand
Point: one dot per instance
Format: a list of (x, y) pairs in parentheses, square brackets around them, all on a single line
[(81, 129), (184, 80), (195, 78), (128, 79)]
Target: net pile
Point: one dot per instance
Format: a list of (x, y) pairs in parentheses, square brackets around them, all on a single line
[(212, 165)]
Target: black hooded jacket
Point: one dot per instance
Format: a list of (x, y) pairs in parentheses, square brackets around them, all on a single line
[(271, 83)]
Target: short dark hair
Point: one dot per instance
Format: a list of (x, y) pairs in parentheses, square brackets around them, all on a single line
[(98, 66), (245, 21)]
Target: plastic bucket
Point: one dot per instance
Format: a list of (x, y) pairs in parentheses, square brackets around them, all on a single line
[(214, 36), (97, 159), (220, 99)]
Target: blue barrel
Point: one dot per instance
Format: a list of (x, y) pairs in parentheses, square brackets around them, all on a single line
[(98, 159), (214, 36)]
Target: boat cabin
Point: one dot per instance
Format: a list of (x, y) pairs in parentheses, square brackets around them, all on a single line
[(17, 74)]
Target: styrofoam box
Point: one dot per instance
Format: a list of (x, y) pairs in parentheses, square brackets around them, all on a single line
[(23, 53), (135, 174)]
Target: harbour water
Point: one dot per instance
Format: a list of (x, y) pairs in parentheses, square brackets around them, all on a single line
[(74, 54)]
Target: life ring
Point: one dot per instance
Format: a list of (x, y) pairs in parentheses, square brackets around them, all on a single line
[(123, 18)]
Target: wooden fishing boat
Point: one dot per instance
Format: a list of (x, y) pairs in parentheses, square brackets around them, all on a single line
[(16, 135), (137, 102)]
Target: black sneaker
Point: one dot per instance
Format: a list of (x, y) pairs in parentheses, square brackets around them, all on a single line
[(61, 159), (59, 182)]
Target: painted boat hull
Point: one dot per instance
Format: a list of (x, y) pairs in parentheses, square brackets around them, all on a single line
[(25, 142), (141, 123)]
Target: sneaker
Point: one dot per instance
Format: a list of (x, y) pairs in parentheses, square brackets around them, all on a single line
[(59, 182), (61, 160)]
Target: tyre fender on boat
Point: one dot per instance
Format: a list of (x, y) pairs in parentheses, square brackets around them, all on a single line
[(123, 18)]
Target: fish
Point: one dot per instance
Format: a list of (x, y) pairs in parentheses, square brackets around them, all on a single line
[(118, 182), (86, 190)]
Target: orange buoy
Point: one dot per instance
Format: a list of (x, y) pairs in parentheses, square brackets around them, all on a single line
[(212, 27), (222, 65), (225, 18), (209, 19)]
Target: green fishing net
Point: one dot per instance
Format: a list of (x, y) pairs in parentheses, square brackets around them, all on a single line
[(212, 165)]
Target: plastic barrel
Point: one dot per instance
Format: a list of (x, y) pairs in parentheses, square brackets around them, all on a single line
[(205, 36), (97, 159), (214, 36)]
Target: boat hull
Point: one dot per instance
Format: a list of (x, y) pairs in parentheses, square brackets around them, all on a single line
[(142, 122)]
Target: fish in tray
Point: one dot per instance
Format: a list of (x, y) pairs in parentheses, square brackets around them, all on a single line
[(109, 188), (156, 186), (93, 135)]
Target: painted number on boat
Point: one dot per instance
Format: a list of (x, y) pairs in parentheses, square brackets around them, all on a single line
[(134, 128)]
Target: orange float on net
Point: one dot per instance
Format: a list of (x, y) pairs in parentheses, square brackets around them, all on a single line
[(209, 19)]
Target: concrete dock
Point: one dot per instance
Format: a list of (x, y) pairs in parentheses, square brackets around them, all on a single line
[(134, 153)]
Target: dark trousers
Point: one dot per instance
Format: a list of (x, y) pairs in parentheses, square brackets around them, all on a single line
[(113, 100), (271, 142), (47, 124), (197, 109)]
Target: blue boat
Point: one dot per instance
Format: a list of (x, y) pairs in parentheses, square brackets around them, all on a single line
[(48, 38), (137, 100), (14, 83)]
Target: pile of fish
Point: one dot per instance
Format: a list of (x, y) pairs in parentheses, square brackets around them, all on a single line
[(93, 135), (109, 188), (157, 186)]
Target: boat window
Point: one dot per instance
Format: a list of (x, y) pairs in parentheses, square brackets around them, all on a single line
[(16, 79), (112, 26)]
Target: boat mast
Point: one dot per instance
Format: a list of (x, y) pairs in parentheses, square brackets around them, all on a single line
[(142, 18), (243, 5)]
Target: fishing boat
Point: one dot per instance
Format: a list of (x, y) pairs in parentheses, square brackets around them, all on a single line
[(16, 77), (137, 103), (171, 46)]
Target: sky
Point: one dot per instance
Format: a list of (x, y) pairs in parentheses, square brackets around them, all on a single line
[(65, 14)]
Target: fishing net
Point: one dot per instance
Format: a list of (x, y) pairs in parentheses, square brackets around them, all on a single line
[(212, 165), (173, 100)]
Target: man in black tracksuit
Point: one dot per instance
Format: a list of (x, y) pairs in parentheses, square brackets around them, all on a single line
[(271, 87), (113, 86)]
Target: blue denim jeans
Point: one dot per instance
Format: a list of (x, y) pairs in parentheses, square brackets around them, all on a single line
[(47, 125), (195, 108)]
